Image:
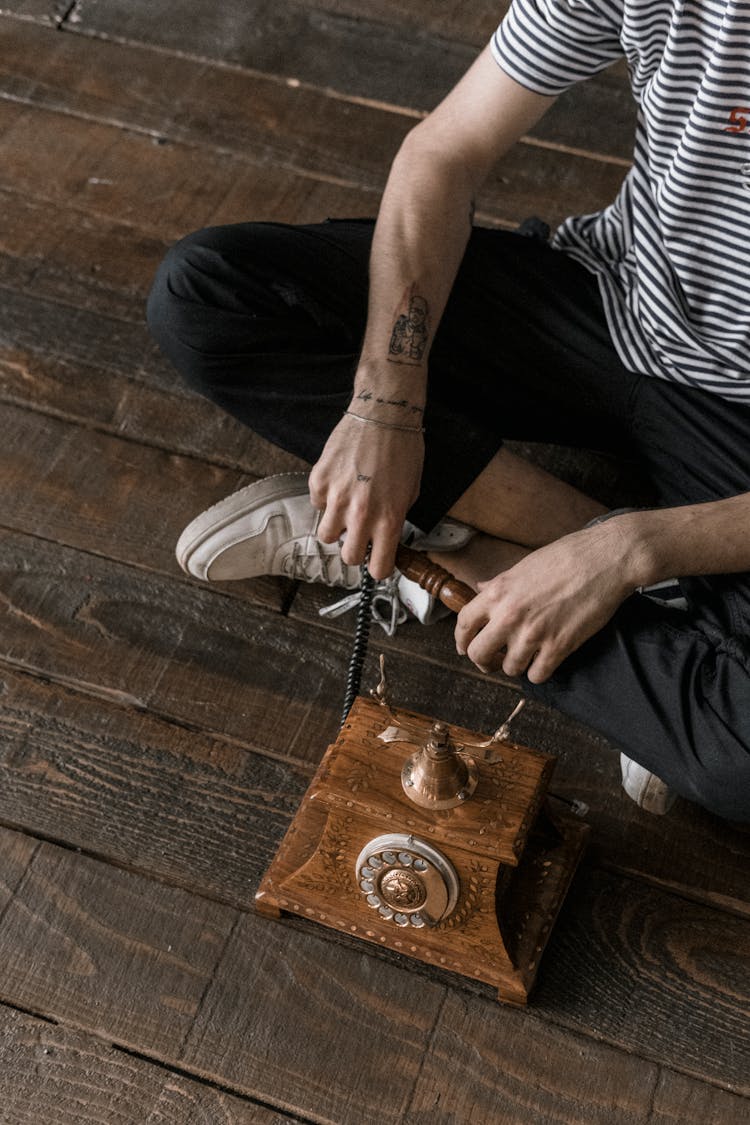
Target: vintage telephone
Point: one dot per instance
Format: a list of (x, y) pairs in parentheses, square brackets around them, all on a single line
[(429, 839)]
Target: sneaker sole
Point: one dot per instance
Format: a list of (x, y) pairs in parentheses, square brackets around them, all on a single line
[(219, 516)]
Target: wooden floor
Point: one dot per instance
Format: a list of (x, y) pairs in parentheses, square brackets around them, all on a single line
[(156, 736)]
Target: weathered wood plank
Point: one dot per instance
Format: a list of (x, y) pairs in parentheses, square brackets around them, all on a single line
[(485, 1070), (473, 24), (147, 795), (164, 189), (99, 370), (147, 405), (58, 251), (49, 1073), (416, 60), (677, 1099), (293, 126), (111, 950), (131, 959), (111, 497), (626, 964), (676, 987), (179, 189)]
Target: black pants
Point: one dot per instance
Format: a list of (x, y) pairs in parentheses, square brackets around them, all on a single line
[(267, 321)]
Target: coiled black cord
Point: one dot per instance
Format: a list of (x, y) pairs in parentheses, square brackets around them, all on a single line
[(361, 637)]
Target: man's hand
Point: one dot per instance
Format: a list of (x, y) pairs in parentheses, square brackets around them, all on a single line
[(529, 618), (366, 480)]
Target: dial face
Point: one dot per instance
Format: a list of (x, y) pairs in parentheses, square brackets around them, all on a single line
[(403, 889), (407, 880)]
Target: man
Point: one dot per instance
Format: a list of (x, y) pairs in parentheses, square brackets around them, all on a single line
[(631, 332)]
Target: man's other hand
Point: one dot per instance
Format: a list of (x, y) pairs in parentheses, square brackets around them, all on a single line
[(531, 617)]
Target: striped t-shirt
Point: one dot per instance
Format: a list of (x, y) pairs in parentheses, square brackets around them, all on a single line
[(672, 253)]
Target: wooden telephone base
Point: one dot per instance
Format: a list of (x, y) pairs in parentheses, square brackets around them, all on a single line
[(507, 858)]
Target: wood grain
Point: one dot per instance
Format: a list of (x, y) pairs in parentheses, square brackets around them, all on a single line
[(147, 795), (286, 1020), (102, 372), (286, 1015), (111, 497), (542, 180), (163, 189), (16, 853), (112, 953), (676, 974), (521, 1071), (51, 1074), (416, 58)]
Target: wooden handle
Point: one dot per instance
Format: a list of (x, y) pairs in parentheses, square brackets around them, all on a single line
[(435, 579)]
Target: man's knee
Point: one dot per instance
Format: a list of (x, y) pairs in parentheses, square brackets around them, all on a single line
[(185, 310), (174, 289)]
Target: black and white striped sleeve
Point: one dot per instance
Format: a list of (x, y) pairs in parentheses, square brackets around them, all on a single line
[(549, 45)]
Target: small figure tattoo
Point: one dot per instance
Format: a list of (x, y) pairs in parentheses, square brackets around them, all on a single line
[(362, 477), (411, 330)]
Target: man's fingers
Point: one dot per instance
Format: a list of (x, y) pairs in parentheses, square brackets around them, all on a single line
[(471, 619), (383, 551), (355, 545), (332, 524), (519, 656), (544, 664)]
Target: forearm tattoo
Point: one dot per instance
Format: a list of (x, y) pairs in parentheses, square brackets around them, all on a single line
[(411, 330)]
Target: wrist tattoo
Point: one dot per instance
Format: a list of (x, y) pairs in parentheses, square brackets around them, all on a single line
[(411, 329), (362, 477), (400, 403)]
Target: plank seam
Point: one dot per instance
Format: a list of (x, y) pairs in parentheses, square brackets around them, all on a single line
[(116, 699), (148, 876), (24, 873), (459, 987), (425, 1054), (240, 155), (65, 11), (178, 1071)]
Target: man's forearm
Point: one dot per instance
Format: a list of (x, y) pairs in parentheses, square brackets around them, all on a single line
[(424, 225), (420, 238), (710, 538)]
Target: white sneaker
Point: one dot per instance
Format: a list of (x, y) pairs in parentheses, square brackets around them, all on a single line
[(270, 527), (647, 790)]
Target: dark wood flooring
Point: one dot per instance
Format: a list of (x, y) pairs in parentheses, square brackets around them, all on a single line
[(156, 735)]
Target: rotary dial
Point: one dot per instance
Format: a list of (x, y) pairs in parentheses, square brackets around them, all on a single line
[(407, 880)]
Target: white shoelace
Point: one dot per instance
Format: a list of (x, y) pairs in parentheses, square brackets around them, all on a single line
[(315, 564), (387, 608)]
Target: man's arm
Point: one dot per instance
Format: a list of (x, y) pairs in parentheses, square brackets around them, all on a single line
[(369, 474), (531, 617)]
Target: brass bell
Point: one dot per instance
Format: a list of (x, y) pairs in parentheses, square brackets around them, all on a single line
[(439, 775)]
